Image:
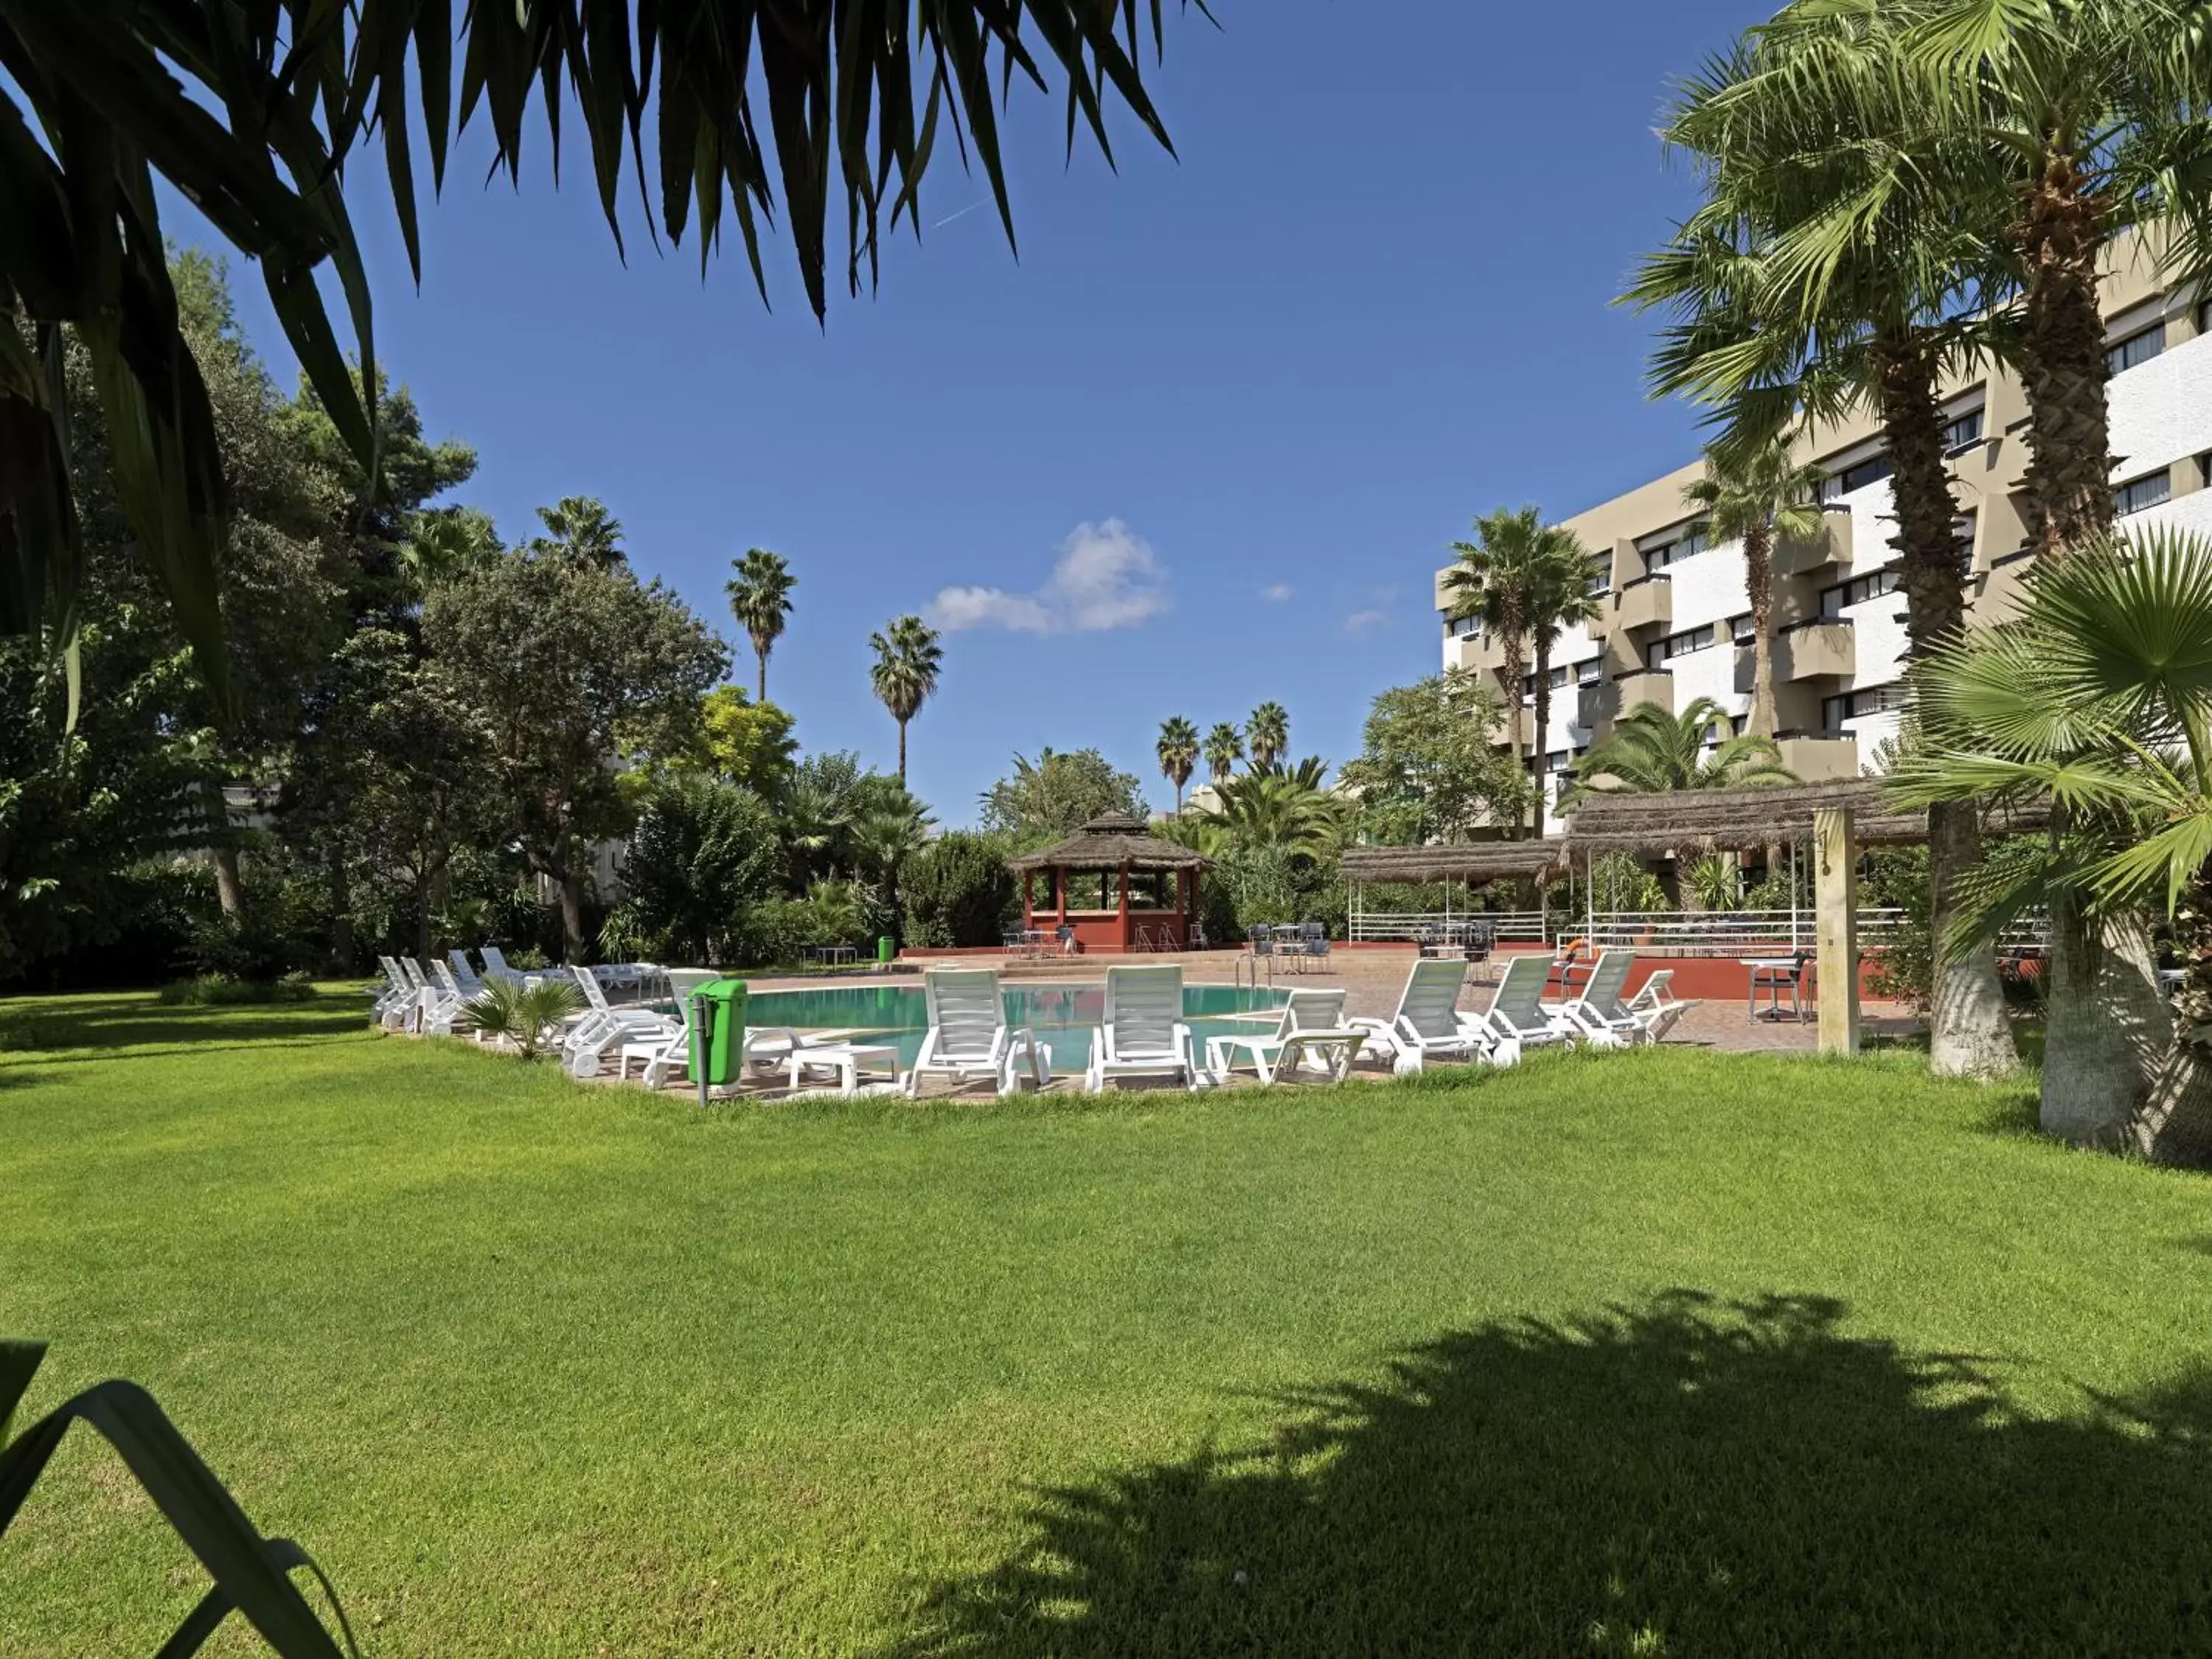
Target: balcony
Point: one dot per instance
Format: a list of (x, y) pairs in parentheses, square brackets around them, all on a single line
[(1645, 603), (1817, 758), (1817, 650), (1643, 685), (1831, 546)]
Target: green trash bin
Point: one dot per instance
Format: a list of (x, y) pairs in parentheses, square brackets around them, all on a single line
[(885, 949), (718, 1032)]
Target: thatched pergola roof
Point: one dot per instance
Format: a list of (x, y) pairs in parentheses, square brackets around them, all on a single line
[(1109, 843), (1473, 862), (1733, 820)]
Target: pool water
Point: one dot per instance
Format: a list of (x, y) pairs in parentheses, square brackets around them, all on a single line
[(1063, 1016)]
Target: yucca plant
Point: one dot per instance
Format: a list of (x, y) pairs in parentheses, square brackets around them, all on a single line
[(1716, 883), (251, 1573), (526, 1015)]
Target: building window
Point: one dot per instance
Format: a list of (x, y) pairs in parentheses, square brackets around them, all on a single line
[(1694, 538), (1962, 541), (2138, 347), (1858, 476), (1465, 628), (1966, 429), (1855, 705), (1559, 678), (1659, 653), (2148, 491), (1600, 574), (1739, 629), (1857, 590)]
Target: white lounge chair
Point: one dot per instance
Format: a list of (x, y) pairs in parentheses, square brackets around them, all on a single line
[(1311, 1033), (969, 1038), (604, 1028), (1144, 1034), (1598, 1013), (465, 975), (1516, 1012), (1655, 1007), (495, 964), (1429, 1026), (397, 996), (662, 1056)]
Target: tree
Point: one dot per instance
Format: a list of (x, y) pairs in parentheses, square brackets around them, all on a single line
[(957, 892), (445, 544), (1828, 270), (571, 665), (1266, 735), (1058, 796), (1652, 750), (704, 852), (1558, 597), (1291, 812), (1516, 566), (748, 743), (1178, 754), (908, 660), (252, 112), (1430, 769), (886, 836), (2094, 705), (581, 527), (1223, 748), (760, 598), (1756, 498)]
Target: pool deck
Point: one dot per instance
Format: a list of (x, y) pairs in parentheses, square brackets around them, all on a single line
[(1373, 979)]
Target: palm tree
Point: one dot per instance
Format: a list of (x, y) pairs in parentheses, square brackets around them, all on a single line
[(1292, 812), (1559, 597), (1267, 734), (1223, 748), (444, 544), (275, 186), (1178, 754), (2062, 124), (1652, 750), (908, 660), (885, 836), (2094, 705), (759, 590), (1758, 497), (581, 527), (1826, 271), (1510, 571)]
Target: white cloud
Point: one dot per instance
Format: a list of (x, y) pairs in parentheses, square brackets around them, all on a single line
[(1360, 620), (1107, 576), (1276, 593)]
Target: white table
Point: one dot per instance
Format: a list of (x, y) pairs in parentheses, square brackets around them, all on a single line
[(847, 1060)]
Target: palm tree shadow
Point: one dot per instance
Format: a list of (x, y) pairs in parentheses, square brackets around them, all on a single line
[(1685, 1476)]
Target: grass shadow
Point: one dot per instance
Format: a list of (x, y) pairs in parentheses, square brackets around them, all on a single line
[(146, 1023), (1684, 1476)]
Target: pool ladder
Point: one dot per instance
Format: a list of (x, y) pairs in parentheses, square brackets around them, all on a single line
[(1252, 959)]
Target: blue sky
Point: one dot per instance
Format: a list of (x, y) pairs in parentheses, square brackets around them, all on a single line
[(1202, 446)]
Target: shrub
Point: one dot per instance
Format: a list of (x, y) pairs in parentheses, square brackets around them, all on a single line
[(525, 1015), (702, 854), (221, 990), (957, 892), (1271, 885)]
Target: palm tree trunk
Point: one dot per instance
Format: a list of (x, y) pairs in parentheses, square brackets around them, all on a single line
[(760, 685), (1759, 586), (902, 725), (1516, 666), (2060, 233), (1543, 737), (2108, 1028), (2175, 1124), (1969, 1032)]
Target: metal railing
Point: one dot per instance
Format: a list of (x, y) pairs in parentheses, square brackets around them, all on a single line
[(1405, 927)]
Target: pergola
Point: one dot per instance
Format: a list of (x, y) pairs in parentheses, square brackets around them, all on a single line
[(1119, 863), (1471, 864)]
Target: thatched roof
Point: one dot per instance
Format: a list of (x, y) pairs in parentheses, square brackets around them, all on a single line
[(1469, 861), (1107, 843), (1731, 820)]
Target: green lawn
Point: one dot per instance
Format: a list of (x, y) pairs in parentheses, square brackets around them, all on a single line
[(1649, 1354)]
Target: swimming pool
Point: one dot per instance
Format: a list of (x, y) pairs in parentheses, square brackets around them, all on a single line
[(1063, 1015)]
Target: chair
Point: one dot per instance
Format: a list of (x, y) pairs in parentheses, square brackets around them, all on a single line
[(1598, 1011), (1481, 939), (1311, 1033), (1314, 941), (1065, 934), (1144, 1034), (463, 973), (968, 1037), (1774, 974), (1517, 1011), (391, 1004), (1429, 1026), (443, 998), (1655, 1007), (605, 1027), (496, 964), (662, 1055)]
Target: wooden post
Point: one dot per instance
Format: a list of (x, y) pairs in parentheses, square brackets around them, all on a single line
[(1125, 906), (1836, 897)]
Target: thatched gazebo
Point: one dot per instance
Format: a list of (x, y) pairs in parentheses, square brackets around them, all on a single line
[(1736, 820), (1471, 864), (1117, 884)]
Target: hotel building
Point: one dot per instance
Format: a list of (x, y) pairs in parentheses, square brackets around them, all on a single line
[(1676, 627)]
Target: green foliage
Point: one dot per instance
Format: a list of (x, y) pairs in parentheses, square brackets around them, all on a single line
[(1271, 884), (1622, 883), (1653, 749), (748, 743), (957, 892), (1291, 812), (526, 1015), (580, 527), (702, 854), (759, 591), (223, 991), (1044, 803), (1716, 883), (1904, 970), (1267, 735), (1430, 769), (1177, 752), (908, 660), (1223, 748)]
